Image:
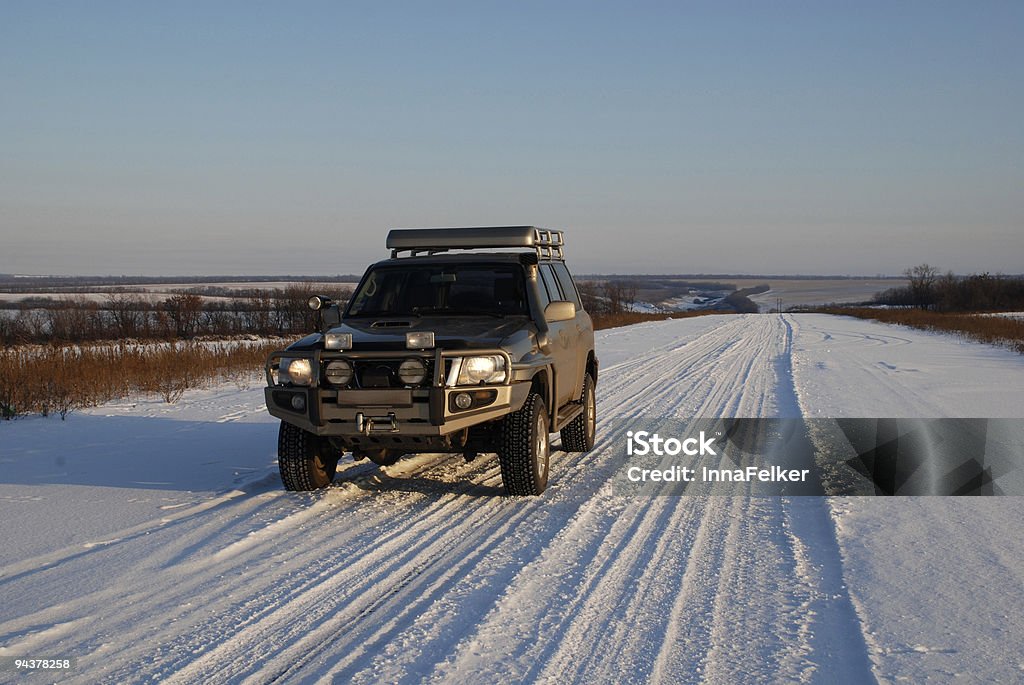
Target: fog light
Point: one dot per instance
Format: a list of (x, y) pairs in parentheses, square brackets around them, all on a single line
[(463, 400), (299, 402), (412, 371), (339, 372)]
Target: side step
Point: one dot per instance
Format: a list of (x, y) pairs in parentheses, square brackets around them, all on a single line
[(567, 414)]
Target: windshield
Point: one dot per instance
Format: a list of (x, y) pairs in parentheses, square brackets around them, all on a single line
[(447, 289)]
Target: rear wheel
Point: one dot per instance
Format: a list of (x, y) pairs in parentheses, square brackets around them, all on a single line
[(306, 461), (578, 435), (525, 452)]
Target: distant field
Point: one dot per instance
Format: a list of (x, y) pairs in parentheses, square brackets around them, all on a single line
[(665, 293), (814, 292)]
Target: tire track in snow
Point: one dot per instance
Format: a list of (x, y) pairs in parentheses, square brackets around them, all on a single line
[(686, 362), (696, 599), (395, 579)]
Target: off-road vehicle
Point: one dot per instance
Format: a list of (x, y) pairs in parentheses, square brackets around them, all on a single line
[(458, 343)]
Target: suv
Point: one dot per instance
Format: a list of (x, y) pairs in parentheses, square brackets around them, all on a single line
[(456, 346)]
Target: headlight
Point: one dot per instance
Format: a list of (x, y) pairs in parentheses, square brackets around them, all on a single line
[(475, 370), (296, 371), (339, 372), (412, 371)]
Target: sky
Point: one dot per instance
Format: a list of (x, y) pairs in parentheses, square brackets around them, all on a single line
[(153, 138)]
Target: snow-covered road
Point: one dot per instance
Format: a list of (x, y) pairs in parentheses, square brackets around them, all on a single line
[(153, 542)]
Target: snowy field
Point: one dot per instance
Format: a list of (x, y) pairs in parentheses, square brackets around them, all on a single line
[(153, 542), (810, 292)]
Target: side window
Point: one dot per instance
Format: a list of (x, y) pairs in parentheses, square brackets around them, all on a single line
[(542, 291), (568, 287), (550, 283)]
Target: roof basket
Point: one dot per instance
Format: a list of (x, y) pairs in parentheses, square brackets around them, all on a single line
[(548, 243)]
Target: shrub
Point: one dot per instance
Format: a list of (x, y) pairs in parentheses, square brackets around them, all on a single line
[(57, 379)]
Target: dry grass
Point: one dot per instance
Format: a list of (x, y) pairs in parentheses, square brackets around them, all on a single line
[(602, 321), (57, 379), (997, 330)]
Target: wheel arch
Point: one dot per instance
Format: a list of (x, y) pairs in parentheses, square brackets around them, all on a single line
[(542, 383), (591, 367)]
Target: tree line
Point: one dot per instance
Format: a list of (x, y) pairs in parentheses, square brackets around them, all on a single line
[(182, 316), (928, 289)]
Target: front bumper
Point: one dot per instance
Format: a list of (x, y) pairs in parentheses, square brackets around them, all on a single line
[(426, 411)]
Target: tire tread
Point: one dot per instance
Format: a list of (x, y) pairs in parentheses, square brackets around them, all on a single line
[(574, 434), (297, 453), (516, 445)]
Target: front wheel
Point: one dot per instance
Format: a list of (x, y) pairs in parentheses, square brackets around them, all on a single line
[(304, 459), (525, 452)]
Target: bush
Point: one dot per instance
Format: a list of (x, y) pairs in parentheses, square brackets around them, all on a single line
[(57, 379)]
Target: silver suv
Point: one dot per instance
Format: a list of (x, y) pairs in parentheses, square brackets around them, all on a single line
[(467, 340)]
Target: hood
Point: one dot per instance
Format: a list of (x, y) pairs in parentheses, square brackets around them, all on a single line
[(453, 332)]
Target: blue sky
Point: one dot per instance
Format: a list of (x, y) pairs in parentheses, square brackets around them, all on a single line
[(228, 138)]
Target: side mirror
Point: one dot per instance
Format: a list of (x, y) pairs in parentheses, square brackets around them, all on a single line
[(330, 317), (560, 310), (328, 313)]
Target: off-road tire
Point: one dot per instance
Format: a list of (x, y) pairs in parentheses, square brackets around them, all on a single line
[(525, 451), (304, 459), (578, 434)]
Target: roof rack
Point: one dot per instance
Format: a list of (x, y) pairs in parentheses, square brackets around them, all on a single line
[(548, 243)]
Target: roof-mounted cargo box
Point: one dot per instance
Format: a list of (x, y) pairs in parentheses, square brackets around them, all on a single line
[(546, 242)]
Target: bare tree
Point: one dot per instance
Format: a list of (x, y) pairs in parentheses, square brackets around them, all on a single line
[(619, 296), (294, 315), (127, 312), (922, 284), (184, 311), (590, 297)]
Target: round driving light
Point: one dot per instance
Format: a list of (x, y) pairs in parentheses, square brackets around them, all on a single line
[(463, 400), (316, 302), (339, 372), (412, 371), (298, 403), (300, 371)]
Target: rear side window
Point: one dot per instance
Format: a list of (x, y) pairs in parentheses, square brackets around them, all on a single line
[(550, 283), (568, 287)]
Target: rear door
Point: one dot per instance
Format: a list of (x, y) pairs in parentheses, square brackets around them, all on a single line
[(563, 337), (583, 325)]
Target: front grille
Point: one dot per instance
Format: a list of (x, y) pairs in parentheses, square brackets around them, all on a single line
[(383, 373), (377, 374)]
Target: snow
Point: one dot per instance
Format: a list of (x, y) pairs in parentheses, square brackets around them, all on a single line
[(1006, 315), (153, 541), (846, 367)]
